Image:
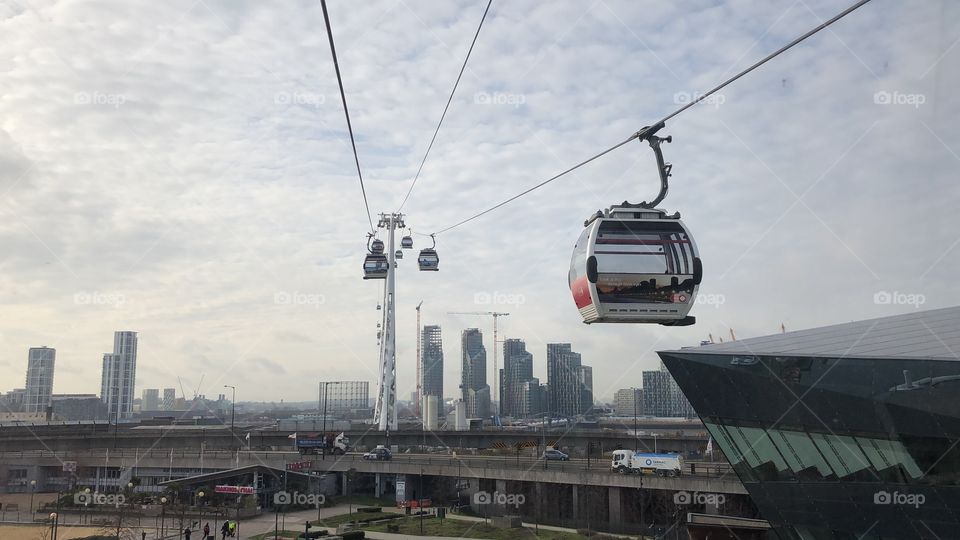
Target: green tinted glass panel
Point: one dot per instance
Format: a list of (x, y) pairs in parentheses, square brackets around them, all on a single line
[(786, 450), (764, 447), (723, 440), (807, 452), (833, 459)]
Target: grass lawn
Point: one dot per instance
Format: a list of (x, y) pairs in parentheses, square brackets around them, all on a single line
[(468, 529), (364, 500), (281, 534), (356, 516), (40, 532)]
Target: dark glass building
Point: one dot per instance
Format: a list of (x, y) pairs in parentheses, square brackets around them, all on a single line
[(847, 431)]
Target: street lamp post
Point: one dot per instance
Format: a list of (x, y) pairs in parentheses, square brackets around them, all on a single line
[(116, 425), (636, 434), (33, 487), (233, 405), (200, 504), (86, 504), (163, 516), (543, 438), (124, 496), (54, 517)]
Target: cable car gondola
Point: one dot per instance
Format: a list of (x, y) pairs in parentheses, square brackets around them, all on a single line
[(375, 264), (398, 254), (407, 241), (635, 263), (428, 260)]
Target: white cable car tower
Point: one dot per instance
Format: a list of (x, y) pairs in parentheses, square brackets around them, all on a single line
[(381, 263), (385, 413)]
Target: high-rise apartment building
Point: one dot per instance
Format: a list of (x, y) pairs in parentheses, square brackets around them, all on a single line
[(569, 385), (517, 370), (431, 364), (169, 397), (473, 375), (39, 388), (628, 402), (531, 399), (662, 396), (150, 399), (119, 375), (586, 389)]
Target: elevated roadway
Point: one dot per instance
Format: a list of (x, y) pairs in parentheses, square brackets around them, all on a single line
[(697, 476), (59, 438)]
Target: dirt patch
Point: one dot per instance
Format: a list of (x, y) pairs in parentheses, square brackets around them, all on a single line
[(40, 532)]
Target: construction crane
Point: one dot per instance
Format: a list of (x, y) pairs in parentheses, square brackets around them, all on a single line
[(496, 372), (419, 361)]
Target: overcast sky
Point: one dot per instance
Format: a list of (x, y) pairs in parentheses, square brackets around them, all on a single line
[(182, 169)]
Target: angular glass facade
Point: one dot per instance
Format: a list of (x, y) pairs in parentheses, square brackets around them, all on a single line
[(835, 447)]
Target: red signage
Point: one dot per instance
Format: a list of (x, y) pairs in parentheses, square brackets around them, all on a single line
[(236, 490), (414, 503), (299, 465)]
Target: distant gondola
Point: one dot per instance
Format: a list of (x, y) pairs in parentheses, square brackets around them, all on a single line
[(428, 260), (375, 263)]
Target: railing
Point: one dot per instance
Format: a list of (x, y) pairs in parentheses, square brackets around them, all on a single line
[(471, 461)]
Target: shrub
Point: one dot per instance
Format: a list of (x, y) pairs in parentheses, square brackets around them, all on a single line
[(313, 534), (369, 509)]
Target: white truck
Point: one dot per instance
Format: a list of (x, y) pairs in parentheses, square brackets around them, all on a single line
[(628, 462), (315, 443)]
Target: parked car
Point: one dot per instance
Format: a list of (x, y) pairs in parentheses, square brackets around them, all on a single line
[(380, 453), (552, 454)]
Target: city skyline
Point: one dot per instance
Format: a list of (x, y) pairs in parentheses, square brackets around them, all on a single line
[(432, 345)]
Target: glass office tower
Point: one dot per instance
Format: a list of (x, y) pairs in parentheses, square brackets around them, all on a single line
[(848, 431)]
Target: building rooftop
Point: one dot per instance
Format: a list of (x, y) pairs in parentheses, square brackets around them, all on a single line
[(931, 334)]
